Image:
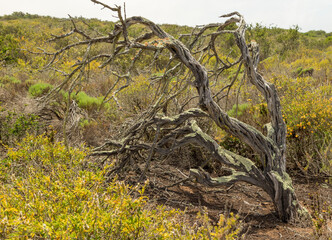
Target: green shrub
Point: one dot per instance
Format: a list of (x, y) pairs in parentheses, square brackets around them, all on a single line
[(13, 127), (39, 89), (9, 80), (300, 72), (20, 15), (9, 48), (87, 102), (238, 110), (84, 123)]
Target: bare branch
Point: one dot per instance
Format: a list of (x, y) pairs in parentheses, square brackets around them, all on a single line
[(186, 67), (204, 178)]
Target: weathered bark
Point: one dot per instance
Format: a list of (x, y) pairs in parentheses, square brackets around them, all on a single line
[(274, 179), (181, 129)]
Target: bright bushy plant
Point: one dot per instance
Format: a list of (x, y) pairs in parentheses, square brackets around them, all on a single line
[(49, 191)]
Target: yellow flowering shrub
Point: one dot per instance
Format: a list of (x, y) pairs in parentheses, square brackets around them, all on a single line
[(307, 109), (50, 192)]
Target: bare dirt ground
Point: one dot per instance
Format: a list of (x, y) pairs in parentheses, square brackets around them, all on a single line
[(252, 204)]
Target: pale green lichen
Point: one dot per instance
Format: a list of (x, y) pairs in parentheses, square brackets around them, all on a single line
[(185, 115), (220, 180), (285, 180), (197, 130), (236, 160), (171, 119), (222, 152), (302, 211), (232, 158), (194, 171), (269, 130), (248, 164), (191, 135), (228, 179)]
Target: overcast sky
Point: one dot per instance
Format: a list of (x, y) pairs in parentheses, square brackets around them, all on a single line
[(307, 14)]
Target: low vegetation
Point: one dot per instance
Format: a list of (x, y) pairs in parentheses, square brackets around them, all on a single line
[(52, 189), (50, 192)]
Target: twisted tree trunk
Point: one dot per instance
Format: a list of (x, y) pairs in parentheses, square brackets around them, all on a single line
[(272, 148), (182, 129)]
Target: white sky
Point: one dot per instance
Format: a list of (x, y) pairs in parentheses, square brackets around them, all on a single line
[(307, 14)]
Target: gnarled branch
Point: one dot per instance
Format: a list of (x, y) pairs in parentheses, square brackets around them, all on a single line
[(190, 62)]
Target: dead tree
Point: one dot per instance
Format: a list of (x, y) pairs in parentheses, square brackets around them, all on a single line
[(180, 129)]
